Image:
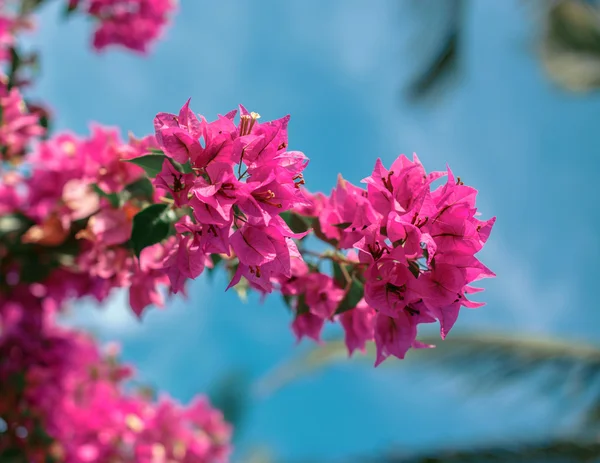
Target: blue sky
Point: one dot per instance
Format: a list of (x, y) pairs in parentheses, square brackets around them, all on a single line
[(338, 68)]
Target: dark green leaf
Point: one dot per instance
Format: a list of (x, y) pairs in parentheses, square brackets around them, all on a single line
[(184, 168), (296, 222), (113, 198), (151, 163), (354, 294), (150, 226), (338, 274), (15, 63), (45, 123), (302, 306), (141, 188), (13, 455), (17, 381), (342, 225), (414, 268), (33, 271), (288, 300)]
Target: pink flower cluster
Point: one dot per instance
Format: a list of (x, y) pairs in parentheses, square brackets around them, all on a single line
[(241, 178), (412, 257), (61, 398), (134, 24), (413, 250), (66, 221), (77, 207), (18, 127), (6, 37), (10, 25)]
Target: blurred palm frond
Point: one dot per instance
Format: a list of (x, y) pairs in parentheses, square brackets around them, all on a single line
[(559, 451), (570, 47), (554, 451), (569, 50), (230, 394), (487, 360), (443, 62)]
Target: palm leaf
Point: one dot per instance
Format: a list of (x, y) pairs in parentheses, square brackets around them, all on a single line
[(567, 450), (559, 451), (491, 359), (570, 47), (230, 394), (443, 62)]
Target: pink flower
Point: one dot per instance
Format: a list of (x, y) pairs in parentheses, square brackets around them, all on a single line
[(77, 395), (309, 325), (110, 226), (322, 295), (187, 260), (396, 335), (18, 127), (212, 200), (133, 24), (174, 182), (359, 326)]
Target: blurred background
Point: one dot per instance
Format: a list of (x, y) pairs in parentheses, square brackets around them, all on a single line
[(504, 93)]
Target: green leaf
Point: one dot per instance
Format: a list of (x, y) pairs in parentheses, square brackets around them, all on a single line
[(141, 188), (338, 273), (18, 381), (343, 225), (414, 268), (150, 226), (151, 163), (354, 294), (184, 168), (15, 63), (288, 300), (13, 455), (113, 198), (296, 222), (32, 271), (302, 306), (45, 123)]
